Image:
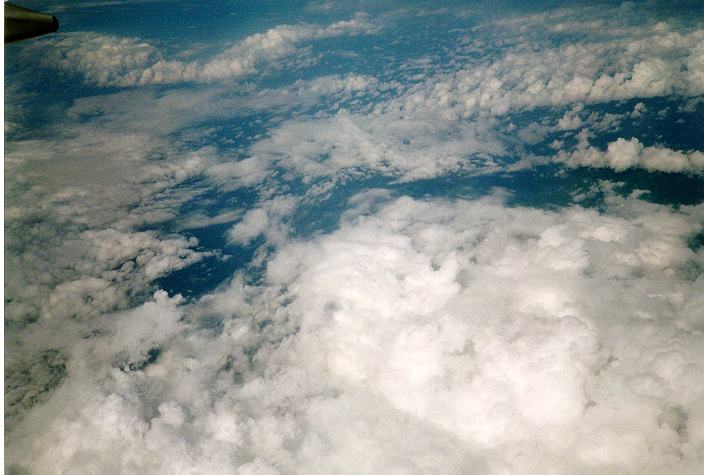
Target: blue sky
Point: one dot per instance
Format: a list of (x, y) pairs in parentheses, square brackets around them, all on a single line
[(355, 238)]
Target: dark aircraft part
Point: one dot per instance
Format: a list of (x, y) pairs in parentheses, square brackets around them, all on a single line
[(21, 23)]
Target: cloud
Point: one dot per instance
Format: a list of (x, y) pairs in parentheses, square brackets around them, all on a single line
[(523, 78), (110, 61), (446, 122), (143, 111), (456, 334), (198, 220), (269, 218), (81, 207), (88, 201), (420, 335), (452, 119), (333, 84), (68, 195), (623, 154), (348, 145)]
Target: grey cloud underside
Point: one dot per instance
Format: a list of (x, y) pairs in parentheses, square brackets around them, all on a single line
[(416, 336)]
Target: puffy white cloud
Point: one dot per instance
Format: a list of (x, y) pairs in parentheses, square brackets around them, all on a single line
[(78, 198), (456, 335), (114, 61), (68, 195), (524, 77), (101, 59), (348, 145), (623, 154), (638, 110), (446, 122), (77, 202), (421, 336), (439, 124), (571, 119), (268, 218)]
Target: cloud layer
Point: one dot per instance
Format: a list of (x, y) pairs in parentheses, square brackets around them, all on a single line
[(431, 335), (454, 119), (109, 61), (374, 334)]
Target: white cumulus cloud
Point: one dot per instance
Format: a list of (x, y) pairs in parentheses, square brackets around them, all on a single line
[(113, 61), (623, 154), (430, 335)]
